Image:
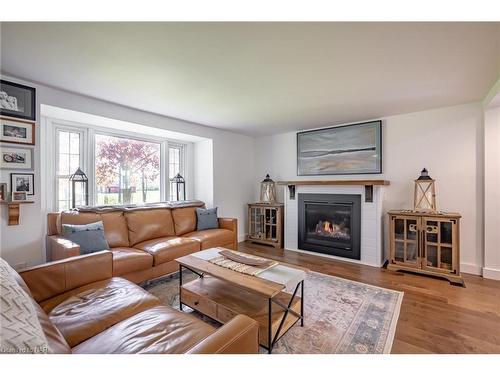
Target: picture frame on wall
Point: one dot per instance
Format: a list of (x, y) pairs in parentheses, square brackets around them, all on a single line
[(17, 131), (16, 158), (23, 182), (17, 100), (340, 150), (3, 192), (19, 196)]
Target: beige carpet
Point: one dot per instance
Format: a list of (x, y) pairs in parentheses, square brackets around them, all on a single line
[(341, 316)]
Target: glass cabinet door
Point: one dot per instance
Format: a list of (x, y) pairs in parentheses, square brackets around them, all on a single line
[(256, 223), (270, 223), (438, 244), (405, 240)]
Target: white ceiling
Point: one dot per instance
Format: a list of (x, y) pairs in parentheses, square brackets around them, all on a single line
[(261, 78)]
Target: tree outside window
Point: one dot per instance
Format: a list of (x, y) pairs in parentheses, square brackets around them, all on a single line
[(126, 170)]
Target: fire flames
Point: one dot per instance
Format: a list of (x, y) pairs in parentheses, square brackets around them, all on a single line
[(329, 229)]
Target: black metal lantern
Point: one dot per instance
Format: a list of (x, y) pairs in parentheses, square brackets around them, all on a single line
[(178, 185), (80, 188)]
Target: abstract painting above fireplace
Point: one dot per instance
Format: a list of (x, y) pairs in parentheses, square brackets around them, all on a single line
[(330, 224)]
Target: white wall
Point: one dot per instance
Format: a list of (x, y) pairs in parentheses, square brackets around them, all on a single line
[(492, 194), (233, 169), (447, 141)]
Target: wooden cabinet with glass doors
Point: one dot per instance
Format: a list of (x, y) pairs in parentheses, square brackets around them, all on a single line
[(265, 224), (427, 243)]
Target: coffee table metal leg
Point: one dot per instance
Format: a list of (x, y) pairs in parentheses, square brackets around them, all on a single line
[(180, 286), (302, 303), (270, 327)]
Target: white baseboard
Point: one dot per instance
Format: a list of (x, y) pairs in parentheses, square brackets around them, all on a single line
[(473, 269), (491, 273)]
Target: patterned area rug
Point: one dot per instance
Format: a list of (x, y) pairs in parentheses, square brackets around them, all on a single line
[(341, 316)]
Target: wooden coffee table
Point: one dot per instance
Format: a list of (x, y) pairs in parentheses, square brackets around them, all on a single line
[(271, 298)]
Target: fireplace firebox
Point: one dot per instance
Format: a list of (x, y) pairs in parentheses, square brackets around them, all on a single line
[(330, 224)]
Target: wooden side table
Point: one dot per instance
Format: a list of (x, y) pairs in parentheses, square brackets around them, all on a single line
[(265, 224)]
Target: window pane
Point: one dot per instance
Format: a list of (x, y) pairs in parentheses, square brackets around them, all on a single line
[(174, 167), (63, 142), (126, 171), (69, 159), (63, 168)]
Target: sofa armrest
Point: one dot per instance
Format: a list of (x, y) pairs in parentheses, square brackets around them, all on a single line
[(232, 225), (60, 248), (54, 278), (238, 336)]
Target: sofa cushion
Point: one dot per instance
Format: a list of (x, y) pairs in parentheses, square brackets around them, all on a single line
[(91, 309), (184, 220), (115, 225), (90, 236), (157, 330), (127, 259), (55, 339), (206, 218), (169, 248), (148, 224), (20, 329), (212, 237)]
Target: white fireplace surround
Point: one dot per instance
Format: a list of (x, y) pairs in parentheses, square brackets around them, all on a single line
[(372, 249)]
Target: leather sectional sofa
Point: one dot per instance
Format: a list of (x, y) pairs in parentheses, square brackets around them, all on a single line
[(144, 240), (82, 308)]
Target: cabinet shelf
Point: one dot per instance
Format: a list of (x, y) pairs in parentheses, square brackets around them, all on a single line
[(265, 224)]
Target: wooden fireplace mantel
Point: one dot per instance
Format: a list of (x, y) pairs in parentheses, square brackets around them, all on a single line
[(368, 184), (335, 182)]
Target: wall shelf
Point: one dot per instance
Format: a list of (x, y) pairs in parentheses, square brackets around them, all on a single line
[(14, 210)]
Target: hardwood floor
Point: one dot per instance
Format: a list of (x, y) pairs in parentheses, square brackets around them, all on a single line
[(435, 317)]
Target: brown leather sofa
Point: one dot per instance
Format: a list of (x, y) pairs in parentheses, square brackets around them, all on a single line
[(82, 308), (144, 240)]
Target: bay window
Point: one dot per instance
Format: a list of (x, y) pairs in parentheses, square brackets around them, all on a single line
[(123, 168)]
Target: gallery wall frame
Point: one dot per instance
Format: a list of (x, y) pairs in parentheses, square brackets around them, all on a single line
[(17, 131), (17, 100)]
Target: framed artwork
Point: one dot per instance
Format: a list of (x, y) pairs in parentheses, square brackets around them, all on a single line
[(17, 131), (3, 191), (348, 149), (22, 182), (16, 158), (17, 100), (19, 196)]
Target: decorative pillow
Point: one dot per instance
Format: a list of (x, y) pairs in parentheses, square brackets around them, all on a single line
[(207, 218), (20, 329), (90, 237)]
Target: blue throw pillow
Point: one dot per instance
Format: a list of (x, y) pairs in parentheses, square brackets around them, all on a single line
[(207, 219), (90, 237)]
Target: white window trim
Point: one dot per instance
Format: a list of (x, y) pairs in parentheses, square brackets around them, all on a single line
[(89, 131)]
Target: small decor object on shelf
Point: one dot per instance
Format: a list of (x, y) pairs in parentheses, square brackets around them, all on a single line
[(17, 100), (424, 199), (3, 192), (268, 190), (178, 186), (79, 189), (16, 158), (265, 224), (19, 196), (17, 131), (23, 182)]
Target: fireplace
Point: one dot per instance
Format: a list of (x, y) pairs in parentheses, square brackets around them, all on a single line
[(330, 224)]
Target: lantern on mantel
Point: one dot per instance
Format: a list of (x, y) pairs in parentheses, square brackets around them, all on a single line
[(268, 190), (178, 186), (424, 199), (79, 189)]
